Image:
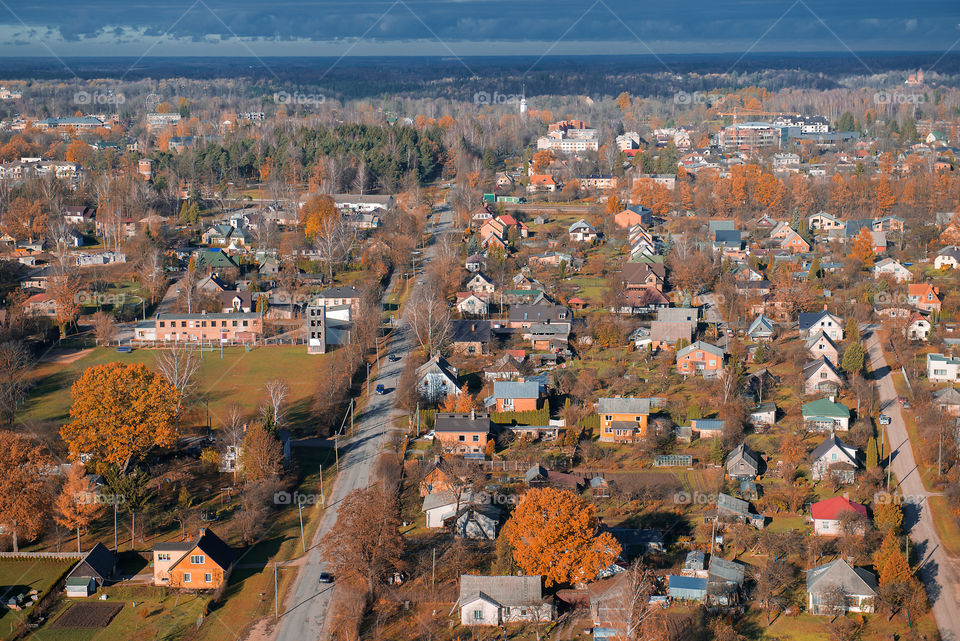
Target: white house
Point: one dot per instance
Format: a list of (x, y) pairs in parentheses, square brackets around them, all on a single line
[(942, 368), (835, 457), (436, 379), (828, 515), (440, 506), (473, 304), (495, 600), (582, 232), (820, 345), (479, 282), (825, 221), (891, 267), (858, 587), (918, 328), (809, 323), (948, 258), (821, 376)]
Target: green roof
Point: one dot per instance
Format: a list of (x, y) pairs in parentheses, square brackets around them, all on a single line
[(79, 581), (826, 407)]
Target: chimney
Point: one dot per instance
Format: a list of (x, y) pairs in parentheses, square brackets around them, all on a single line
[(831, 399), (473, 414), (824, 307)]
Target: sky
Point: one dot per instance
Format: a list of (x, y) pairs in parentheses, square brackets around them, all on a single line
[(265, 28)]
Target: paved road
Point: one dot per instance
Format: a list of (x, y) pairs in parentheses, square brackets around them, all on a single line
[(306, 611), (940, 571)]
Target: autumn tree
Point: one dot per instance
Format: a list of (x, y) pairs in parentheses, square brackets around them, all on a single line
[(554, 534), (365, 544), (104, 328), (63, 288), (75, 506), (887, 515), (119, 412), (261, 455), (24, 488), (459, 403), (773, 580), (862, 248), (542, 159), (25, 219), (889, 561), (315, 212)]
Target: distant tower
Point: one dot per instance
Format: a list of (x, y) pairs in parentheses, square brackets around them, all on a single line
[(523, 100)]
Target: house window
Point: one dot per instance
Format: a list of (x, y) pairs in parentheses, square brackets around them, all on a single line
[(476, 438), (608, 418), (196, 559), (208, 578), (462, 438), (186, 577), (478, 615), (183, 323), (161, 324), (234, 323), (244, 323), (163, 556)]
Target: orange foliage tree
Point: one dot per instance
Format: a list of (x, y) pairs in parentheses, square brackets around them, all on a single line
[(460, 403), (553, 533), (119, 413), (862, 248), (542, 160), (885, 199), (316, 211), (78, 152), (24, 489), (75, 506)]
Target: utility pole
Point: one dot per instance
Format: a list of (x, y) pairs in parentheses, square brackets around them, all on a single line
[(303, 541), (323, 499), (115, 548), (276, 593)]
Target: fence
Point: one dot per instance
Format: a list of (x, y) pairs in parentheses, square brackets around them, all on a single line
[(42, 555)]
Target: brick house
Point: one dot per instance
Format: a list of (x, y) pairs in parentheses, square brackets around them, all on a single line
[(462, 433), (514, 396), (201, 564), (234, 327), (700, 358), (924, 296)]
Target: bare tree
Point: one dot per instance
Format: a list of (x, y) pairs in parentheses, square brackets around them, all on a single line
[(429, 318), (14, 364), (58, 232), (274, 412), (152, 275), (334, 242), (179, 366), (104, 328)]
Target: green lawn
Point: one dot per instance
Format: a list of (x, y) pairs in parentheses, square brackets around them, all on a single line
[(21, 576), (148, 613), (237, 377)]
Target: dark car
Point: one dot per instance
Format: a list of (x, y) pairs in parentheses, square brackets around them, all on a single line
[(326, 577), (380, 389), (393, 358)]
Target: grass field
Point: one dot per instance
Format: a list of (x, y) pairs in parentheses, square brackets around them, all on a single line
[(237, 377), (21, 576)]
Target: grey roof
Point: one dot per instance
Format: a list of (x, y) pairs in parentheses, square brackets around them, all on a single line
[(815, 338), (453, 422), (514, 389), (727, 570), (731, 504), (839, 573), (98, 563), (439, 499), (829, 443), (947, 396), (581, 224), (695, 560), (678, 314), (223, 316), (340, 292), (761, 325), (806, 320), (707, 347), (536, 471), (438, 364), (813, 367), (623, 405), (540, 314), (502, 590), (671, 331), (743, 452), (469, 331)]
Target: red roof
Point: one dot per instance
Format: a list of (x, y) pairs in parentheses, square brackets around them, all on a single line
[(830, 509), (577, 300), (507, 219), (518, 354)]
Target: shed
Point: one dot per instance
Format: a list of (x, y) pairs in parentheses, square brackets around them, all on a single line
[(687, 588), (80, 586)]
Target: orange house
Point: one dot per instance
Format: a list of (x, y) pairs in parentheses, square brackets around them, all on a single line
[(201, 564), (462, 433), (795, 243), (623, 420), (700, 358), (924, 296), (515, 396)]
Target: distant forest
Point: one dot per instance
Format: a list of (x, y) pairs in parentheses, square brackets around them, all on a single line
[(356, 78)]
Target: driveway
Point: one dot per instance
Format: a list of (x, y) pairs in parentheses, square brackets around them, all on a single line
[(939, 571)]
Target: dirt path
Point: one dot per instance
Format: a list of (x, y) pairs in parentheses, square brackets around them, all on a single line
[(61, 356)]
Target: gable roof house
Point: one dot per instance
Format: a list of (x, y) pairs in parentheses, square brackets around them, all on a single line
[(824, 221), (201, 564), (794, 243), (924, 296), (436, 379), (892, 268), (761, 329), (669, 333), (470, 336), (623, 420), (440, 478), (826, 414), (582, 232), (835, 458), (479, 282), (918, 327), (809, 323), (475, 522), (526, 316), (514, 396), (636, 275), (440, 506), (496, 600), (822, 346), (948, 400), (632, 216), (858, 587), (97, 566), (821, 375), (505, 368), (473, 303), (743, 463), (948, 258), (236, 301), (462, 433)]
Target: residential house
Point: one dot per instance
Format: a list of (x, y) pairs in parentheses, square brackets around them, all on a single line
[(824, 222), (809, 323), (632, 216), (98, 566), (642, 275), (236, 301), (822, 346), (857, 586), (514, 396), (781, 230), (728, 240), (707, 427), (440, 506), (825, 414), (212, 284), (924, 296), (539, 476), (440, 478), (669, 333), (686, 588), (794, 243), (918, 327), (79, 214), (340, 295), (835, 458), (542, 182), (724, 580), (948, 258), (505, 368), (526, 316), (201, 564), (763, 415), (743, 463), (892, 268), (473, 303), (474, 263), (943, 369), (470, 336), (475, 522), (821, 376), (623, 420), (948, 400), (480, 283), (700, 358), (437, 379), (462, 433), (828, 514), (41, 304), (497, 600), (582, 232), (761, 329)]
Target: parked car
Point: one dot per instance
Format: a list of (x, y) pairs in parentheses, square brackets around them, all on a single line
[(884, 419), (325, 577), (393, 358), (381, 389)]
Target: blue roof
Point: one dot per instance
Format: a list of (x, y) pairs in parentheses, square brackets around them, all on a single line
[(677, 582), (513, 389)]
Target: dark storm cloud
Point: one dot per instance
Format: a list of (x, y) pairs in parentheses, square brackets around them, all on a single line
[(820, 24)]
